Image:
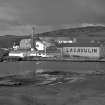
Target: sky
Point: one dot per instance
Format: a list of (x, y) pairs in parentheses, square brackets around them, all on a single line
[(18, 16)]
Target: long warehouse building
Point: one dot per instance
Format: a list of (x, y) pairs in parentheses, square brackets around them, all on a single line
[(82, 50)]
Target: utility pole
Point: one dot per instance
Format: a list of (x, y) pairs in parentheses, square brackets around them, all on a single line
[(32, 38)]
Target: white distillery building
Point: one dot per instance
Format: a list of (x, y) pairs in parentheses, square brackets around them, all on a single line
[(82, 50), (26, 49), (17, 53)]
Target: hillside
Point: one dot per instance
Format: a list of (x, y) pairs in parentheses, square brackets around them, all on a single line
[(84, 33), (76, 32), (8, 40)]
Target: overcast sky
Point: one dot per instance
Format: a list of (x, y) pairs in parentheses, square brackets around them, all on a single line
[(18, 16)]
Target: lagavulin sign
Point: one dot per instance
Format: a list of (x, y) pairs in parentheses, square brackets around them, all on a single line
[(82, 51)]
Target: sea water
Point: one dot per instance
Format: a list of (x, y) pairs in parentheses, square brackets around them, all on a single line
[(25, 66)]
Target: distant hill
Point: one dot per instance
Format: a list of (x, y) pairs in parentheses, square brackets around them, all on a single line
[(82, 33), (76, 32), (7, 41)]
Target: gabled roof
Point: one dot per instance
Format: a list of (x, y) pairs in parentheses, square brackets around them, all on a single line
[(78, 45), (37, 39)]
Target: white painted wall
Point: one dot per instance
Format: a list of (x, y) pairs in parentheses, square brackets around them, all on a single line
[(82, 51), (16, 54)]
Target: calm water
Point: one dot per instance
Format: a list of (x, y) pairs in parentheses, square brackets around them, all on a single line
[(88, 92), (17, 67)]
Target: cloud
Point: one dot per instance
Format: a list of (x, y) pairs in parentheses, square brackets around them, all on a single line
[(25, 30), (20, 15), (48, 12), (8, 13)]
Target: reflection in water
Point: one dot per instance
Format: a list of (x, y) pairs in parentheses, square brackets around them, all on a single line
[(39, 70), (17, 67), (71, 66), (42, 77), (60, 86), (101, 65)]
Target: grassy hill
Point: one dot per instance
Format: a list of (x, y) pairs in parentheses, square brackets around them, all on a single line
[(81, 33), (8, 40), (75, 32)]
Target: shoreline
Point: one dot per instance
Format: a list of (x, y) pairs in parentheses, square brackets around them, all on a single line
[(75, 59)]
